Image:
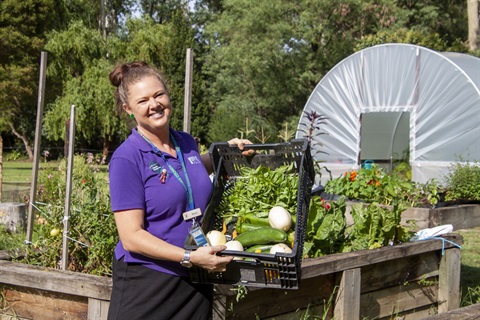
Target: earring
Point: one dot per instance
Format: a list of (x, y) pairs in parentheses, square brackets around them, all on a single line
[(131, 116)]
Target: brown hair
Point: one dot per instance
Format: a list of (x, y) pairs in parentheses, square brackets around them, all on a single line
[(126, 74)]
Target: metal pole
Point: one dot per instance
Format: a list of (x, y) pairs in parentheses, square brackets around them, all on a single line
[(68, 195), (188, 91), (36, 148)]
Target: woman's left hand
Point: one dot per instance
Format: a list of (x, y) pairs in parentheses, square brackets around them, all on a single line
[(241, 145)]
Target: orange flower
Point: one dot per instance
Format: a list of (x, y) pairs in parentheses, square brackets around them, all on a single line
[(353, 175), (377, 183)]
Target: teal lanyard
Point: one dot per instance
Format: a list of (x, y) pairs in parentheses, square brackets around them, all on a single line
[(186, 184)]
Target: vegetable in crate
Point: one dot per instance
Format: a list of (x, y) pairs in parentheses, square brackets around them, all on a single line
[(234, 245), (256, 191), (279, 218), (263, 235), (216, 238)]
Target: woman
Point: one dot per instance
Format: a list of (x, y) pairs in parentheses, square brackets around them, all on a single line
[(155, 176)]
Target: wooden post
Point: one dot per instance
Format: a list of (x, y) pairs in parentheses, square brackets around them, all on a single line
[(188, 91), (347, 302), (66, 218), (1, 166), (449, 280), (97, 309), (473, 25), (36, 153)]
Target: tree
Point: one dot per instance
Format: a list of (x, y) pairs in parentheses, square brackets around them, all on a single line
[(23, 25), (83, 59), (266, 57)]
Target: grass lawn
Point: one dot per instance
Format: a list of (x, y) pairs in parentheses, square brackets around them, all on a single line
[(470, 272), (17, 176)]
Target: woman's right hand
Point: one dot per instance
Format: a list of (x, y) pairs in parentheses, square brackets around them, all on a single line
[(207, 258)]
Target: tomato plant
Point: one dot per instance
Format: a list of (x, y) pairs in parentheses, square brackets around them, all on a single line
[(92, 234)]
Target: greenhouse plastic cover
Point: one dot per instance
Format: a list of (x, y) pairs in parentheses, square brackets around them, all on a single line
[(406, 96)]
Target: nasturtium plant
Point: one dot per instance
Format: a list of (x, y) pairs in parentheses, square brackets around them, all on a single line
[(375, 185)]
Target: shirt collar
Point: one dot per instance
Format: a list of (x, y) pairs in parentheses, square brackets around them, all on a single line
[(143, 145)]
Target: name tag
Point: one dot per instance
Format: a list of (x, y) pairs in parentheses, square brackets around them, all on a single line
[(187, 215)]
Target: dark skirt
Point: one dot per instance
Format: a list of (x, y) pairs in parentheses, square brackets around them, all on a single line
[(142, 293)]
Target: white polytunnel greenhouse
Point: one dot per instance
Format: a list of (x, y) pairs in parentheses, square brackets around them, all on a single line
[(396, 101)]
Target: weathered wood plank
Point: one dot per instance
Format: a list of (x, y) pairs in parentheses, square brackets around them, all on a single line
[(67, 282), (449, 281), (343, 261), (347, 301), (266, 303), (400, 271), (38, 304), (398, 299), (466, 313), (461, 217), (97, 309)]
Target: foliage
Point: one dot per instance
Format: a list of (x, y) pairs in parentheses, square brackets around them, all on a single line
[(92, 234), (373, 226), (375, 185), (9, 240), (23, 28), (14, 155), (463, 181), (258, 189)]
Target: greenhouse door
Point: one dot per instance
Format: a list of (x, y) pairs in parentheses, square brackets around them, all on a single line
[(384, 137)]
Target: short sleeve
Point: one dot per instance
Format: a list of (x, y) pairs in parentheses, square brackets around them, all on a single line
[(126, 185)]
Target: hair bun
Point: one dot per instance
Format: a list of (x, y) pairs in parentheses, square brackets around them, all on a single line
[(120, 72)]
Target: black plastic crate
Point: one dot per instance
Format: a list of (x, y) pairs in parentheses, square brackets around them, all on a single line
[(281, 270)]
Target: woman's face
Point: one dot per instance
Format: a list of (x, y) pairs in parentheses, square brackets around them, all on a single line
[(149, 102)]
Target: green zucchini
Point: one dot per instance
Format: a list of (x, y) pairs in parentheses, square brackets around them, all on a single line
[(253, 219), (243, 227), (260, 248), (263, 235)]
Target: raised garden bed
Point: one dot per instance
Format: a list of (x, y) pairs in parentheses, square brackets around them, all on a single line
[(463, 216), (412, 280)]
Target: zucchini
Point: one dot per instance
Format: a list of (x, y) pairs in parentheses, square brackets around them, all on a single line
[(253, 219), (243, 227), (263, 235), (260, 248)]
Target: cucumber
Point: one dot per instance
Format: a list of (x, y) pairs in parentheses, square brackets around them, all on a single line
[(253, 219), (243, 227), (263, 235), (262, 248)]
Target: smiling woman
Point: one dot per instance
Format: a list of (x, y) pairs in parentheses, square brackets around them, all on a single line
[(157, 176)]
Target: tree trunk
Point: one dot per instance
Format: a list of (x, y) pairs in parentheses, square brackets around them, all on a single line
[(24, 140), (473, 25), (1, 166)]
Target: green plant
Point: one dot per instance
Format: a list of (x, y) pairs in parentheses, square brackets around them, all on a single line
[(14, 155), (92, 235), (463, 181), (373, 226), (375, 185)]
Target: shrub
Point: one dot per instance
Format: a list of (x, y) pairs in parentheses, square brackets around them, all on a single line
[(463, 181), (92, 235)]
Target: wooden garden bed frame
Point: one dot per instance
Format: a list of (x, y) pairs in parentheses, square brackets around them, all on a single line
[(413, 280)]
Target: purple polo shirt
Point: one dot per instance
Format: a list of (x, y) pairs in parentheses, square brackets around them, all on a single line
[(135, 185)]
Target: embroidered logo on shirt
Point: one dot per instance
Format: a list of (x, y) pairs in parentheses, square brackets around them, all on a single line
[(194, 160)]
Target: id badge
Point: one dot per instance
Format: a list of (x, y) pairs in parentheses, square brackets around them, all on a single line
[(195, 230), (198, 235)]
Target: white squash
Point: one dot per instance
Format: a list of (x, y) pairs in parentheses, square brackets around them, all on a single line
[(280, 247), (234, 245), (280, 218), (216, 238)]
